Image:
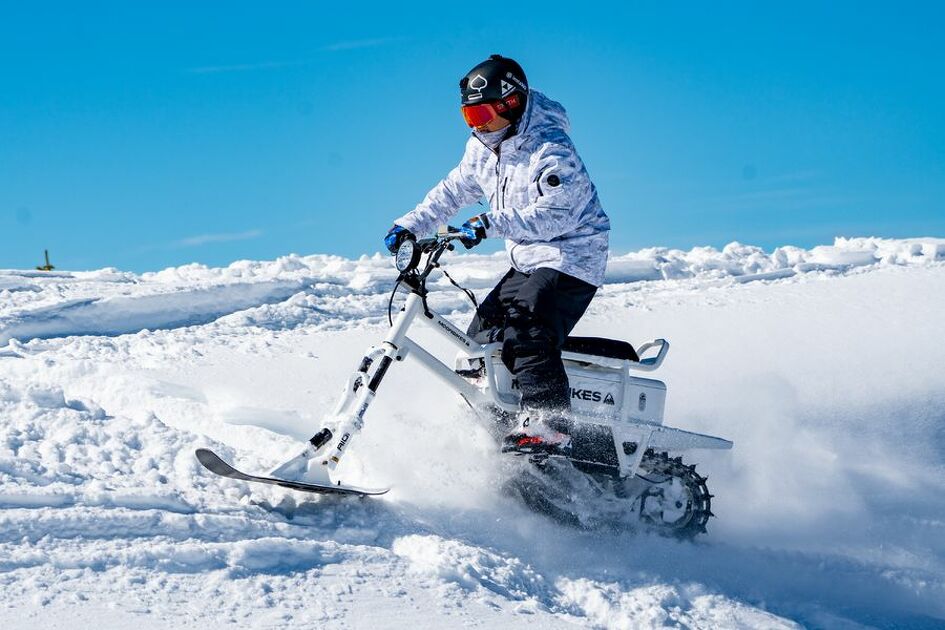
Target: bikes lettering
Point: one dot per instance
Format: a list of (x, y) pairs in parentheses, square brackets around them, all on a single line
[(589, 395)]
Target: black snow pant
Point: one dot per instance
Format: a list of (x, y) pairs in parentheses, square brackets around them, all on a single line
[(532, 315)]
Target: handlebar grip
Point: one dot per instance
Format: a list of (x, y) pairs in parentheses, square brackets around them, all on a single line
[(441, 238)]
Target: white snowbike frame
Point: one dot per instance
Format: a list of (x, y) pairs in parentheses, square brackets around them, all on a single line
[(607, 392)]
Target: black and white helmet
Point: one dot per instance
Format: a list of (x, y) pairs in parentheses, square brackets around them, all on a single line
[(497, 79)]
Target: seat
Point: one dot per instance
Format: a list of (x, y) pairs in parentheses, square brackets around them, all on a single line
[(600, 347)]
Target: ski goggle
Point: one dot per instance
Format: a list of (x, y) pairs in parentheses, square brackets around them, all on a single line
[(484, 113)]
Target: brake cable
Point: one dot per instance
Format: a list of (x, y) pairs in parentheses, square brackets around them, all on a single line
[(469, 294), (390, 303)]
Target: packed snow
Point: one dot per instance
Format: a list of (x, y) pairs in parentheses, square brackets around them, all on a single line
[(824, 366)]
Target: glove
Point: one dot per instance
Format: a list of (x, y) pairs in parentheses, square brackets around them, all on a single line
[(473, 231), (396, 236)]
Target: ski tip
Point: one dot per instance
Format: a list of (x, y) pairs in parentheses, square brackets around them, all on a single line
[(211, 461)]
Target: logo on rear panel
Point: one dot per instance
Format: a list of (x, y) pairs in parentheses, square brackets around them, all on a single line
[(592, 395), (642, 403)]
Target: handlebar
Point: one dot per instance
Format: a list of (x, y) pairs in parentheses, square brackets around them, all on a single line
[(414, 274), (408, 261), (430, 243)]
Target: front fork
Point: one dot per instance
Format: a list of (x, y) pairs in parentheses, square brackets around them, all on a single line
[(362, 386)]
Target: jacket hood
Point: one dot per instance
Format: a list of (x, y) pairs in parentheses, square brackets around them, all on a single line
[(543, 114)]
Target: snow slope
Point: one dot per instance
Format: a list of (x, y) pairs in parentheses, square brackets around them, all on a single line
[(823, 365)]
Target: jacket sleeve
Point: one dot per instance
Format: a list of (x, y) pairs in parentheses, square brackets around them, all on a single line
[(563, 190), (458, 190)]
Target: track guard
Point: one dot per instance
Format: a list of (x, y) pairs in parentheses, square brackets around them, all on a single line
[(631, 443)]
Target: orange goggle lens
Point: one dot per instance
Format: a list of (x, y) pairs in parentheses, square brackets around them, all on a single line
[(484, 113), (479, 115)]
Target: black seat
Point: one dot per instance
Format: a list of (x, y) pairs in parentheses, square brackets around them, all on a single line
[(600, 347)]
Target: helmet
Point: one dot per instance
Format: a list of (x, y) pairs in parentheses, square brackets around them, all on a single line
[(499, 81)]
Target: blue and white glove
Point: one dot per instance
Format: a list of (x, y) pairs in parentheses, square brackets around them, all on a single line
[(396, 236), (473, 231)]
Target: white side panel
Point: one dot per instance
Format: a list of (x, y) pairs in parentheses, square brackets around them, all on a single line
[(596, 392), (645, 400)]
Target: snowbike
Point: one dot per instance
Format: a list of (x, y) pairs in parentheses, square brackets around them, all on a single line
[(624, 469)]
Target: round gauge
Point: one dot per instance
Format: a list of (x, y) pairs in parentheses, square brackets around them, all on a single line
[(408, 255)]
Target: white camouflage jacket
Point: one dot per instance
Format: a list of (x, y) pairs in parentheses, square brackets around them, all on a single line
[(541, 198)]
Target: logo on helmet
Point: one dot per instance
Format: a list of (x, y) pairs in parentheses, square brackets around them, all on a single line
[(514, 79), (478, 83)]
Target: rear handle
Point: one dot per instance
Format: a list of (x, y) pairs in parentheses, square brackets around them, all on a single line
[(651, 363)]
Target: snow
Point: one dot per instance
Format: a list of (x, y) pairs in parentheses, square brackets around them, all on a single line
[(823, 366)]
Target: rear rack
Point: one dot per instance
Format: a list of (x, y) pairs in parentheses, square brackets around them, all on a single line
[(648, 364)]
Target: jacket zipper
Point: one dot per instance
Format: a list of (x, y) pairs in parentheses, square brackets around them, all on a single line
[(498, 162), (499, 190)]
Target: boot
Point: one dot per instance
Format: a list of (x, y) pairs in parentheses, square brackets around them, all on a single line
[(537, 434)]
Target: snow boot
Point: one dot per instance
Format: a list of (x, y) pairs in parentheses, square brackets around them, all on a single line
[(534, 436)]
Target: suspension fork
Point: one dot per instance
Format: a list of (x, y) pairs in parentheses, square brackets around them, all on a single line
[(362, 385)]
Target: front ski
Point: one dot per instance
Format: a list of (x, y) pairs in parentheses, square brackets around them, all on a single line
[(212, 462)]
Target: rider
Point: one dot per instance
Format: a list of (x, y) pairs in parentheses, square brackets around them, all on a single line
[(543, 203)]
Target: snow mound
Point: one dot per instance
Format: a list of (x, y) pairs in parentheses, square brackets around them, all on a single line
[(327, 289)]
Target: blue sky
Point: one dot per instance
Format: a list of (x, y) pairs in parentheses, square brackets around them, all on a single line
[(143, 135)]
